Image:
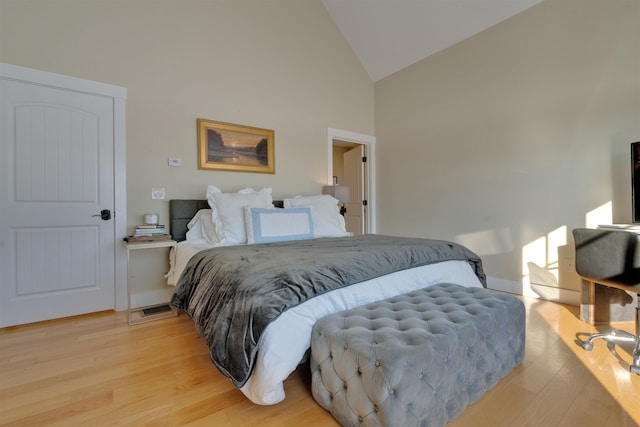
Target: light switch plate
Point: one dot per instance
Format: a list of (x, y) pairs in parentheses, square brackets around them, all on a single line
[(173, 161), (157, 193)]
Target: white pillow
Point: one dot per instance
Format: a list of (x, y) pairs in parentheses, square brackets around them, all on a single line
[(201, 227), (277, 225), (327, 221), (227, 211)]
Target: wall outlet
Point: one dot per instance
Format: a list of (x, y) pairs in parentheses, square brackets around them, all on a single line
[(157, 193), (173, 161)]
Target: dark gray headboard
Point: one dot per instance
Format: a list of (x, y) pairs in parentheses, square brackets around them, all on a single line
[(181, 212)]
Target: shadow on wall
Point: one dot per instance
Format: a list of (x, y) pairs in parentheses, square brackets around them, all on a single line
[(548, 262), (548, 270)]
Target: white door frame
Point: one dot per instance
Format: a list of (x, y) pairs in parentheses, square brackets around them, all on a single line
[(370, 142), (119, 95)]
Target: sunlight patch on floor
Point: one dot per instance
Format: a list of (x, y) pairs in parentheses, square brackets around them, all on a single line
[(609, 365)]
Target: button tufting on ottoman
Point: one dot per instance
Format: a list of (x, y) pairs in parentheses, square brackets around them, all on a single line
[(415, 359)]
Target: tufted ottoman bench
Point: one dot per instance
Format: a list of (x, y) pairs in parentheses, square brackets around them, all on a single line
[(416, 359)]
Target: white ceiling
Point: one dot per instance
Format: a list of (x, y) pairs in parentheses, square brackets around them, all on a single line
[(389, 35)]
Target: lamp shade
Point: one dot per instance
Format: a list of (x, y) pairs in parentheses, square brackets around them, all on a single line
[(340, 192)]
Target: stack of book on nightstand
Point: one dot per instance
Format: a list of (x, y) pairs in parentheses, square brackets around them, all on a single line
[(149, 233)]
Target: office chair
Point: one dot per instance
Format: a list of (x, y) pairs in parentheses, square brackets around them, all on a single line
[(609, 258)]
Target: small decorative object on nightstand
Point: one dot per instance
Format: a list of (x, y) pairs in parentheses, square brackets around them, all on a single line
[(148, 297)]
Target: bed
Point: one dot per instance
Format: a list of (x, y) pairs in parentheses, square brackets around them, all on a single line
[(255, 302)]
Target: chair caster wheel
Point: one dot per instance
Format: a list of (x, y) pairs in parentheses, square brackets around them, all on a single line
[(634, 369), (587, 346)]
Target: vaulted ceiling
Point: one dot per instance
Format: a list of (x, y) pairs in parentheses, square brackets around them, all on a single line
[(389, 35)]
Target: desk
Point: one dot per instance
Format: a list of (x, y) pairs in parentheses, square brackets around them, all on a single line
[(600, 303)]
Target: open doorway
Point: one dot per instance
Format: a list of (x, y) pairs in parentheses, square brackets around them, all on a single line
[(351, 163)]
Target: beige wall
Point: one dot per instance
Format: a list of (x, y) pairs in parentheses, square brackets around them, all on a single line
[(276, 64), (508, 140)]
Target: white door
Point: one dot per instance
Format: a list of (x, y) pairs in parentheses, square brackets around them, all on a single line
[(56, 169), (354, 177)]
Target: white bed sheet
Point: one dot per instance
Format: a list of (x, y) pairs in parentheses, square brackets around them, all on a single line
[(180, 256), (285, 341)]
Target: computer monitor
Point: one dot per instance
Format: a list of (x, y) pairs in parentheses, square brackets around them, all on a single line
[(635, 181)]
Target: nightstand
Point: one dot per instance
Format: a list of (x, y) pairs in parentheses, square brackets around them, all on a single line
[(147, 291)]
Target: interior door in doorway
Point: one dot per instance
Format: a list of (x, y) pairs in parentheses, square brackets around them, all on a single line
[(354, 171), (56, 196)]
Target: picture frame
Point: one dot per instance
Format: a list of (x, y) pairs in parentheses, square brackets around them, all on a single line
[(237, 148)]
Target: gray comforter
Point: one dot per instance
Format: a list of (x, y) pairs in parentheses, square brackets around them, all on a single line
[(233, 293)]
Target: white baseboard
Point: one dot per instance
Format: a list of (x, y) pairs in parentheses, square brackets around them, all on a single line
[(549, 293)]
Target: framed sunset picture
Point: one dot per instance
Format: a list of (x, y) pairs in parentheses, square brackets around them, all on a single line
[(238, 148)]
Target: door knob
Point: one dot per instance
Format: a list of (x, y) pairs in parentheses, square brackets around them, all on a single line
[(105, 215)]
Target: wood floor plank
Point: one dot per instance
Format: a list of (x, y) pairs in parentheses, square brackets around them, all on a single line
[(593, 408), (95, 370)]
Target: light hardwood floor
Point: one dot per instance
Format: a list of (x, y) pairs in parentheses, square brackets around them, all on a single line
[(95, 370)]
